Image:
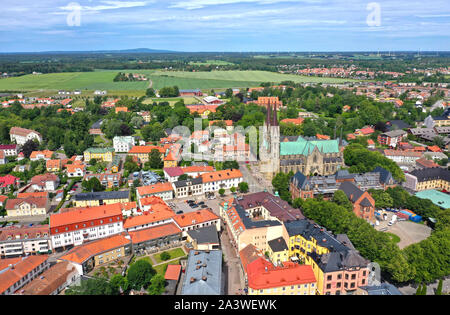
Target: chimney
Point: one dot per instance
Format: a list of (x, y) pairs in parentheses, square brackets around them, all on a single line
[(204, 278), (192, 280)]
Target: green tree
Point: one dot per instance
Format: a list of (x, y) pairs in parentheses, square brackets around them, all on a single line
[(118, 282), (140, 274), (157, 285), (341, 199), (221, 191), (164, 256), (439, 288), (243, 187), (155, 160)]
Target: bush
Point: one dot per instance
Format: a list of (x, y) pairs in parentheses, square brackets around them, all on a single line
[(164, 256)]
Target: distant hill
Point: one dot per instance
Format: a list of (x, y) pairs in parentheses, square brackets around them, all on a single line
[(125, 51)]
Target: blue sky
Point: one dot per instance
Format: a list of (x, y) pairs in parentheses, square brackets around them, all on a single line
[(224, 25)]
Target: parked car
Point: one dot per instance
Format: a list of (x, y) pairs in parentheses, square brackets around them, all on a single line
[(180, 212), (204, 206)]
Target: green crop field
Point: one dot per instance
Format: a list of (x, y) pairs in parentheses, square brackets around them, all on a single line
[(103, 80)]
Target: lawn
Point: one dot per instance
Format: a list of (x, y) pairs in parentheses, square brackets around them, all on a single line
[(174, 253), (393, 237), (103, 80)]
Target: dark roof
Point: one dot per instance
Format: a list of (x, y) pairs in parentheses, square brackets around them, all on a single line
[(189, 182), (103, 195), (385, 175), (206, 235), (97, 124), (299, 180), (366, 203), (397, 124), (353, 193), (277, 207), (433, 173), (278, 244)]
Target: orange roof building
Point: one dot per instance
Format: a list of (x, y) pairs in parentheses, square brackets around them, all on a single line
[(154, 212), (52, 281), (88, 251), (173, 272), (162, 190), (291, 278), (21, 272), (197, 219), (295, 121), (165, 233)]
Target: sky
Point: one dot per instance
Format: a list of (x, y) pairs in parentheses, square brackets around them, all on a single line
[(225, 25)]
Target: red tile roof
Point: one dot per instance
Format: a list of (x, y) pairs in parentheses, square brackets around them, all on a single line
[(197, 217), (221, 175), (21, 269), (173, 272), (81, 253), (154, 189), (154, 233), (262, 274)]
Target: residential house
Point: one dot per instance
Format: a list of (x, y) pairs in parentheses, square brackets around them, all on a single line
[(29, 206), (21, 135), (123, 144), (15, 273), (100, 154), (52, 281), (391, 138), (24, 240), (162, 190), (94, 199), (95, 253), (363, 203), (41, 155), (108, 180), (45, 182), (75, 226), (9, 149)]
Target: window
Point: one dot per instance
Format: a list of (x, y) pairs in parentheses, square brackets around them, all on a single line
[(329, 278), (328, 286)]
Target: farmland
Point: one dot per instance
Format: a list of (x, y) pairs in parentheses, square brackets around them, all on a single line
[(103, 80)]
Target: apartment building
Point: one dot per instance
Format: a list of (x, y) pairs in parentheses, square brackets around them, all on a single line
[(24, 240)]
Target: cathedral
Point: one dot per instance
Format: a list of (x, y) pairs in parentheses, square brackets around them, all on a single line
[(311, 157)]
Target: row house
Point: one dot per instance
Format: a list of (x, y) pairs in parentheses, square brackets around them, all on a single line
[(24, 240), (52, 281), (403, 157), (93, 199), (73, 227), (172, 174), (9, 149), (87, 256), (162, 190), (339, 268), (15, 273)]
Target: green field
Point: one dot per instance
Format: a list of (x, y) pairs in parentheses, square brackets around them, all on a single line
[(211, 62), (103, 80)]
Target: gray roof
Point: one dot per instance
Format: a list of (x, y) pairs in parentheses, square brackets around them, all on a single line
[(103, 195), (189, 182), (205, 235), (203, 274), (353, 193), (278, 244), (383, 289)]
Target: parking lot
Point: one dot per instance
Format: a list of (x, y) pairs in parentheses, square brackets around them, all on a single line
[(202, 203), (408, 231)]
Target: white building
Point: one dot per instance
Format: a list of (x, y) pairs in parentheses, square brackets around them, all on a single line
[(24, 240), (22, 135), (123, 144), (72, 228)]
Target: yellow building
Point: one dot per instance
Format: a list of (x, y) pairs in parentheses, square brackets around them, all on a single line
[(337, 266), (29, 206), (100, 154), (278, 251), (101, 198)]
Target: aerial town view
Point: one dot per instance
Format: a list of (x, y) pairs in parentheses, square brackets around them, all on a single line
[(254, 148)]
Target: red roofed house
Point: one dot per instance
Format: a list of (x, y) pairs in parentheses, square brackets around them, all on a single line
[(24, 240), (91, 254), (295, 121), (162, 190), (41, 155), (72, 228), (155, 237), (8, 180), (198, 219), (290, 279), (18, 272), (45, 182), (29, 206), (364, 131)]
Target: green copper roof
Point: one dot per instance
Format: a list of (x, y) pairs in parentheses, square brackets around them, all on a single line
[(99, 150), (440, 199), (305, 147)]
